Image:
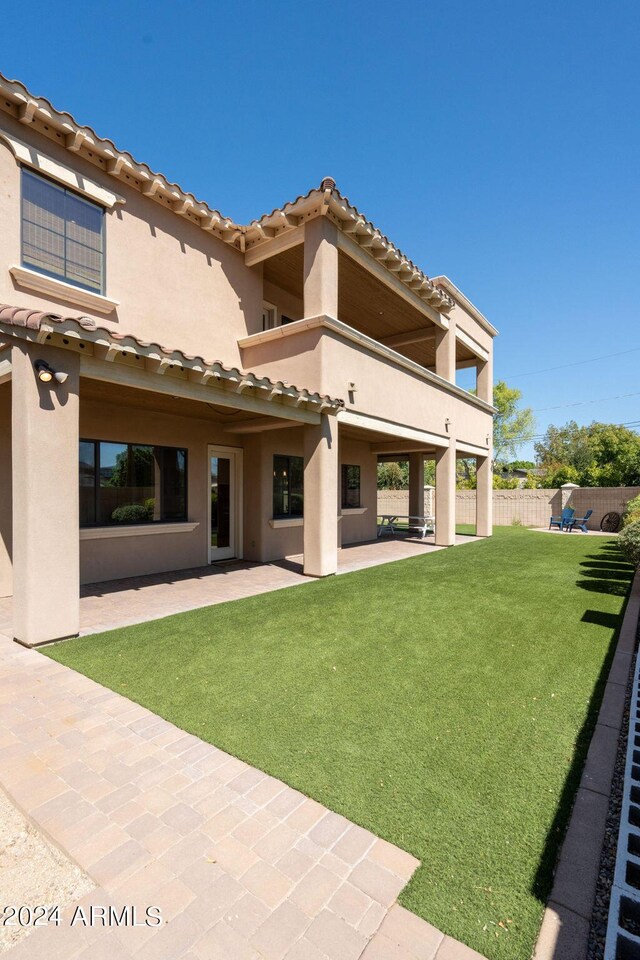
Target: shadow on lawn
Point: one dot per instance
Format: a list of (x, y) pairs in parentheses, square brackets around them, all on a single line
[(604, 572)]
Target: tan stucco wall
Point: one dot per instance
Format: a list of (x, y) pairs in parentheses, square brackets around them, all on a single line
[(176, 284), (321, 360), (464, 321), (354, 528), (287, 304), (115, 557), (531, 508), (6, 577)]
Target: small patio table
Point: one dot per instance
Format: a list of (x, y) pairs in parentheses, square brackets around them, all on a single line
[(388, 523)]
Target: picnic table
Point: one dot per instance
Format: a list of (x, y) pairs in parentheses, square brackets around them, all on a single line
[(389, 521)]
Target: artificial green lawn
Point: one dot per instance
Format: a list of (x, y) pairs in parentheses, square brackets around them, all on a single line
[(443, 702)]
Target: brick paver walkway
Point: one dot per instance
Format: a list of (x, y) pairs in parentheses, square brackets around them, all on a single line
[(242, 866), (119, 603)]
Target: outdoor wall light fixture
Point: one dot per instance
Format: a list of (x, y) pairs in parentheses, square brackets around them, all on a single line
[(46, 373), (447, 424)]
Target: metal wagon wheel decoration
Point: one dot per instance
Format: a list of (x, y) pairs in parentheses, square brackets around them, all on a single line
[(610, 522)]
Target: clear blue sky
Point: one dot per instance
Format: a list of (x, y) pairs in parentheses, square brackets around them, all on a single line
[(496, 142)]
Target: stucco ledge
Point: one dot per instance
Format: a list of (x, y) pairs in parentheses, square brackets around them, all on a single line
[(135, 530), (293, 522), (61, 290)]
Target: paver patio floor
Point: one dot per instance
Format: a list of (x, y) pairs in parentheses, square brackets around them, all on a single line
[(120, 603), (241, 865)]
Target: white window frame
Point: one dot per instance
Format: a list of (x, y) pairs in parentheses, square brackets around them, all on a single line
[(272, 309)]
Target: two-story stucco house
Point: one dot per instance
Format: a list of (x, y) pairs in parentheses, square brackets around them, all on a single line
[(177, 388)]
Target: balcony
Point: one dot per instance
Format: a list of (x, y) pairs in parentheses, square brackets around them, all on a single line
[(379, 335), (379, 384)]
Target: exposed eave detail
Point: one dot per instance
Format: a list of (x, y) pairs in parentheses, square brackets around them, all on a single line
[(172, 369), (261, 236), (465, 303), (254, 239), (84, 142)]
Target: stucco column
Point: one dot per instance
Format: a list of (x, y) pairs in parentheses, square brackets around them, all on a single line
[(446, 495), (320, 268), (446, 352), (6, 537), (416, 484), (484, 497), (566, 490), (46, 543), (484, 379), (321, 498)]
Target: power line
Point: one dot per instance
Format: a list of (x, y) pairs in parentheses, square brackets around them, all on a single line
[(541, 436), (576, 363), (581, 403)]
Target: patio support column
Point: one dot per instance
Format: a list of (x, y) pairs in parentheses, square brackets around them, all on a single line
[(321, 498), (416, 484), (446, 495), (320, 268), (46, 541), (6, 571), (446, 352), (484, 379), (484, 497)]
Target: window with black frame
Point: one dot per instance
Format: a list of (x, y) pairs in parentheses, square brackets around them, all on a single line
[(288, 476), (350, 486), (131, 483), (62, 233)]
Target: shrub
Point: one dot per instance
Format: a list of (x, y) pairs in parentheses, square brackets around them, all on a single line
[(130, 513), (631, 512), (629, 542)]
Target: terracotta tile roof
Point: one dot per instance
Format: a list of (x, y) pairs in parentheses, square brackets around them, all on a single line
[(16, 99), (85, 142), (352, 222), (86, 329)]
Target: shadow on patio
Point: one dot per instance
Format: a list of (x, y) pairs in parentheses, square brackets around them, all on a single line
[(119, 603)]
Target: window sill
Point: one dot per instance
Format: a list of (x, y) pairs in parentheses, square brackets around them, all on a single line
[(353, 511), (61, 290), (293, 522), (135, 530)]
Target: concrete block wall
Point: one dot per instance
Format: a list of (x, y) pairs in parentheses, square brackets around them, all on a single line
[(532, 508)]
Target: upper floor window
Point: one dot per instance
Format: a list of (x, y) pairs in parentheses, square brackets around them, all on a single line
[(62, 233)]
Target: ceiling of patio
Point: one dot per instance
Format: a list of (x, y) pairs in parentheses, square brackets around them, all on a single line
[(364, 303), (101, 392)]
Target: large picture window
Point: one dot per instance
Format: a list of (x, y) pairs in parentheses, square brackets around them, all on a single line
[(62, 233), (131, 483), (350, 486), (288, 475)]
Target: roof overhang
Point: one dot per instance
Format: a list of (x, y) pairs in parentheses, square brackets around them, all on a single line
[(465, 303), (281, 229), (116, 357), (282, 224)]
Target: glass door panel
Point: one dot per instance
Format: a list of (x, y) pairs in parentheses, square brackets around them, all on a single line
[(222, 478)]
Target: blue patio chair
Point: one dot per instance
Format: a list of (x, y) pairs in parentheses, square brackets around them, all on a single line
[(580, 522), (563, 520)]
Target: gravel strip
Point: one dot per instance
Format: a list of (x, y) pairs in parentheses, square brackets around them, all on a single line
[(599, 917), (32, 872)]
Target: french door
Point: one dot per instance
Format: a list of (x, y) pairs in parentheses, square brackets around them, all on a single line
[(225, 513)]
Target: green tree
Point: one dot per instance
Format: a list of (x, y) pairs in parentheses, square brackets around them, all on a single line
[(393, 475), (598, 455), (512, 424)]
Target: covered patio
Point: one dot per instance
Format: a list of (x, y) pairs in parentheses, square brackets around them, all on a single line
[(120, 603)]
